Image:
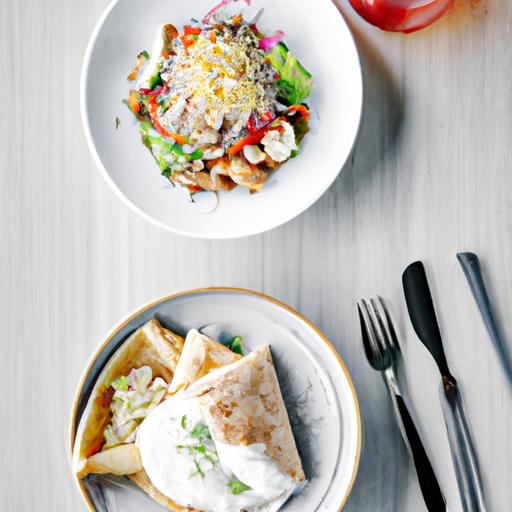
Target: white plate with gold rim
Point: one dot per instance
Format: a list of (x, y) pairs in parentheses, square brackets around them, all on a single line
[(315, 383), (316, 34)]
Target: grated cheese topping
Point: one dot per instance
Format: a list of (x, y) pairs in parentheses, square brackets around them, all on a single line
[(220, 79)]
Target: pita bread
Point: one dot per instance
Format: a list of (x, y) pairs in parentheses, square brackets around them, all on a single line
[(151, 345), (200, 356), (242, 405)]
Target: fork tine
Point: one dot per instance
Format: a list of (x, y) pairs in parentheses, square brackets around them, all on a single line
[(366, 329), (392, 331), (382, 329), (379, 326), (375, 351), (382, 319)]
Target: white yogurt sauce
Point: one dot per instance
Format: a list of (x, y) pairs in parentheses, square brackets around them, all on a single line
[(171, 459)]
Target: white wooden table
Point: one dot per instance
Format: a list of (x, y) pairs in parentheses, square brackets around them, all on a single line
[(431, 174)]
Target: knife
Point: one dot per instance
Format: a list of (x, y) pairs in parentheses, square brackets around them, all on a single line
[(424, 320), (471, 266)]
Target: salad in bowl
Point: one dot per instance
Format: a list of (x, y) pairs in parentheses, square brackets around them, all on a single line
[(219, 103)]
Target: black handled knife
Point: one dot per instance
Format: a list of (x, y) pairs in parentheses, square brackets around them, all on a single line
[(424, 320)]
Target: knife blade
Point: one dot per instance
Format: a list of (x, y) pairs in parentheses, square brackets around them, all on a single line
[(424, 320)]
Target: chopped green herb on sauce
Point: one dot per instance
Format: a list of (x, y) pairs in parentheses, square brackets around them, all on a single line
[(236, 487)]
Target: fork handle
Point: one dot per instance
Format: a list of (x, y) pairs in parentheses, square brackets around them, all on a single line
[(429, 486)]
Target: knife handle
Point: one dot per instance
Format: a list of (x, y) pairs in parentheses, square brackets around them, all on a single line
[(462, 448), (429, 486)]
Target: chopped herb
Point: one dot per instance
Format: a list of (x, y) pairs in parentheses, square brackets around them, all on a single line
[(121, 383), (200, 430), (199, 471), (236, 487), (144, 53), (118, 122), (197, 447), (236, 345), (211, 457)]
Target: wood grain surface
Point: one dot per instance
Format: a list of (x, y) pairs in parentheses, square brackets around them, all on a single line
[(430, 175)]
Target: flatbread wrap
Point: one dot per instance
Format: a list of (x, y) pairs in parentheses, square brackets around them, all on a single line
[(225, 443), (133, 381), (200, 356)]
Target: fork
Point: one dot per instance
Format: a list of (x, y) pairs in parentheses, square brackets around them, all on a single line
[(381, 346)]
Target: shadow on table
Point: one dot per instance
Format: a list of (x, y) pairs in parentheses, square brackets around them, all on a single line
[(383, 479), (381, 119)]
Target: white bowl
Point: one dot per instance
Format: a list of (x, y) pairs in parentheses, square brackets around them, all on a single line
[(315, 32), (316, 387)]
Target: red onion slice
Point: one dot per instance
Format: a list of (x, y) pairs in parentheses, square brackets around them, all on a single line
[(219, 7), (269, 42)]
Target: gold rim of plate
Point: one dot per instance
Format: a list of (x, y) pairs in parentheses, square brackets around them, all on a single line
[(113, 333)]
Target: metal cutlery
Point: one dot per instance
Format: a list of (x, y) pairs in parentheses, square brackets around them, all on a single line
[(471, 266), (424, 320), (381, 347)]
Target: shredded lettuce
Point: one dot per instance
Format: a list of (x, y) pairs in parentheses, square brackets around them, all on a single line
[(295, 83), (166, 152), (136, 395), (121, 384), (140, 378)]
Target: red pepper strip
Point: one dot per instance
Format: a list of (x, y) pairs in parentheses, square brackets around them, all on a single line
[(159, 90), (106, 397), (105, 400), (255, 138), (300, 109), (95, 448), (254, 125), (267, 117), (246, 141), (189, 30), (152, 107), (188, 41)]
